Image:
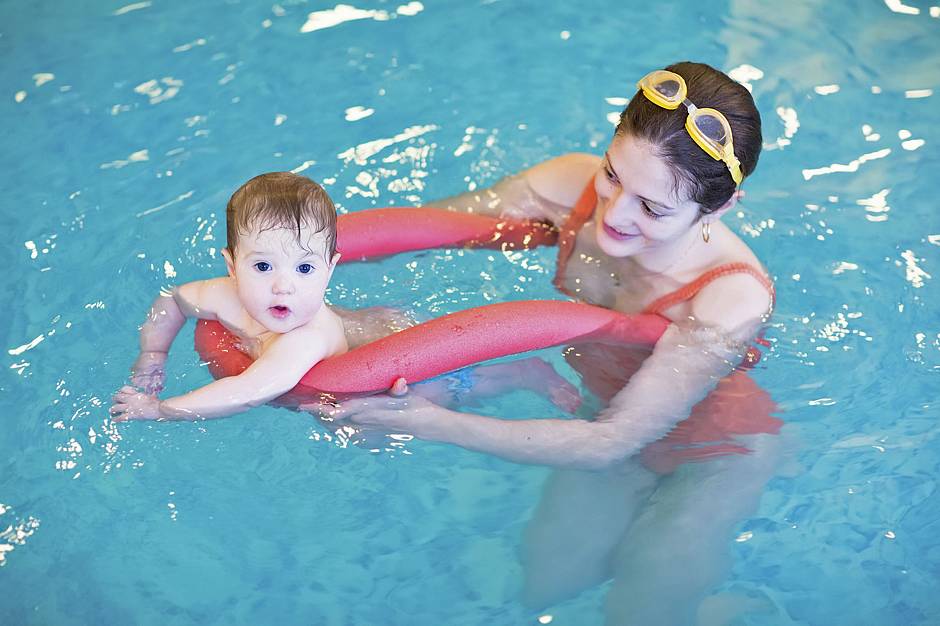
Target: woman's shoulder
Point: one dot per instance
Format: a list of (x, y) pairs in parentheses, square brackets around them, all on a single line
[(738, 293), (562, 179)]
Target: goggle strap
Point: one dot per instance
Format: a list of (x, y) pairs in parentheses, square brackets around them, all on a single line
[(734, 166)]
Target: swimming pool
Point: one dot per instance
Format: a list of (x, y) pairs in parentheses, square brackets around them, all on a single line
[(126, 128)]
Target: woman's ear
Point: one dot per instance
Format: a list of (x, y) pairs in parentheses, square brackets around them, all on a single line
[(724, 208), (229, 262)]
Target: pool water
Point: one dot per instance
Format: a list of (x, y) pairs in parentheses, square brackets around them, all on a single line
[(127, 126)]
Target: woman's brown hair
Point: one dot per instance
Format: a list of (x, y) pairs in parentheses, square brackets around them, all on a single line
[(707, 181)]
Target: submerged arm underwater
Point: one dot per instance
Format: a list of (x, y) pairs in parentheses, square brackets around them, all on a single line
[(686, 364)]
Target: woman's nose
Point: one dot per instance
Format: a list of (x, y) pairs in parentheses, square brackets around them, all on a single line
[(622, 205)]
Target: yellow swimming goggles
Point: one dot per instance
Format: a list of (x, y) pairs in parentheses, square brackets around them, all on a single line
[(707, 127)]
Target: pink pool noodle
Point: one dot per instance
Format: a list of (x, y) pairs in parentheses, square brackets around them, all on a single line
[(446, 343), (381, 232)]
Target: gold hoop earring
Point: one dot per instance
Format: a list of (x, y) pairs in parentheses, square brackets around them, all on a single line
[(706, 231)]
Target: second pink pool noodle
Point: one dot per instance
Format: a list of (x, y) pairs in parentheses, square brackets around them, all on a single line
[(382, 232)]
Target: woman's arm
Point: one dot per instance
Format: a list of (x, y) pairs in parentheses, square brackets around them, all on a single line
[(686, 364), (546, 191)]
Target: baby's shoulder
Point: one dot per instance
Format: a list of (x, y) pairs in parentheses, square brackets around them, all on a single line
[(322, 337), (208, 299), (332, 331)]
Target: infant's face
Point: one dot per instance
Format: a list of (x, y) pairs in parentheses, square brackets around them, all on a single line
[(280, 280)]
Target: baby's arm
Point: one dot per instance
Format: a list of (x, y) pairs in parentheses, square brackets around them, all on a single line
[(157, 333), (167, 315), (276, 372)]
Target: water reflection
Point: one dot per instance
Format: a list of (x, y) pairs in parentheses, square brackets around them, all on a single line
[(851, 166), (363, 152), (132, 7), (16, 532), (341, 13), (899, 7)]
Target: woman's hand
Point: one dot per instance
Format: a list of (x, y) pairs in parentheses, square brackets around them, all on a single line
[(132, 404), (398, 412), (148, 372)]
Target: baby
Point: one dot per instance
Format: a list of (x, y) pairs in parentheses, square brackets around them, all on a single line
[(280, 256)]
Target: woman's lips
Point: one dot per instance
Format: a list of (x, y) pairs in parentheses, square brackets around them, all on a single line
[(613, 233), (280, 312)]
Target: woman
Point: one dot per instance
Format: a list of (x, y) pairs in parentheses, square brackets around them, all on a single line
[(640, 232)]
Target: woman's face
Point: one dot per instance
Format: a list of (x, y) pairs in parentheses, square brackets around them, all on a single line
[(637, 208)]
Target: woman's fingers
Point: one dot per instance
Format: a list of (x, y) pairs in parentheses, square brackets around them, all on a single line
[(118, 412), (344, 410), (399, 388), (148, 382), (124, 394)]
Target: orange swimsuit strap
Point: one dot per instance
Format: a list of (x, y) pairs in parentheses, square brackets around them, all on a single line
[(689, 290), (568, 235)]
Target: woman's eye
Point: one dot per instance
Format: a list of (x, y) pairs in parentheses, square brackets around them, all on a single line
[(609, 173), (262, 266), (651, 212), (304, 268)]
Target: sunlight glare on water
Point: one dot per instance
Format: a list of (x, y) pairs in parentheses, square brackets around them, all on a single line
[(128, 126)]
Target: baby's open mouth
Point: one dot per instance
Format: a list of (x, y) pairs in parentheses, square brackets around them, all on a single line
[(280, 311)]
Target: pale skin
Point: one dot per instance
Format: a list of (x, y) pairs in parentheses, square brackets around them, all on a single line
[(272, 300), (644, 240)]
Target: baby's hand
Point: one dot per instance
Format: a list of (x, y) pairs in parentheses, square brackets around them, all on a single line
[(565, 396), (542, 378), (148, 373), (131, 404)]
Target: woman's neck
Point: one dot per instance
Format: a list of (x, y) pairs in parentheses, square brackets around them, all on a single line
[(674, 259)]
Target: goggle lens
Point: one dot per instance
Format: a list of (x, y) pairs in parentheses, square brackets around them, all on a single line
[(668, 88), (707, 127), (712, 128)]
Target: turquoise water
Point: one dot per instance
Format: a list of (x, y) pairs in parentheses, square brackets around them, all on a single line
[(126, 128)]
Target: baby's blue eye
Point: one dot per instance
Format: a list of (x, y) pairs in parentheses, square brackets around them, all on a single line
[(304, 268), (262, 266)]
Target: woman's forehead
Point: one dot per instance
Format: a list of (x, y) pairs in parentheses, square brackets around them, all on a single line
[(636, 162)]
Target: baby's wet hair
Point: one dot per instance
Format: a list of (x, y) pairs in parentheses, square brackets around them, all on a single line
[(281, 200)]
